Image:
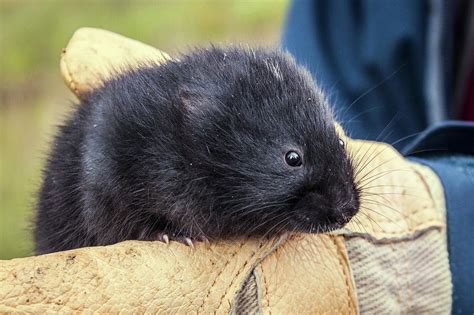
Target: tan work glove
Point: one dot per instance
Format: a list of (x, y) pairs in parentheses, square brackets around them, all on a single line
[(391, 258)]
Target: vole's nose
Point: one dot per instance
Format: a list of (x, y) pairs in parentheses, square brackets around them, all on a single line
[(352, 204), (331, 207)]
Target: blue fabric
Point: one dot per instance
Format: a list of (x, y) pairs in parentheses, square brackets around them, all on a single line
[(369, 55), (456, 172), (448, 136), (454, 164)]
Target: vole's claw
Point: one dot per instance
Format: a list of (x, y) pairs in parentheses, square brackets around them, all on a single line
[(188, 242), (204, 239), (162, 237)]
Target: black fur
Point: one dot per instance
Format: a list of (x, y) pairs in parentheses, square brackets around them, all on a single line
[(194, 148)]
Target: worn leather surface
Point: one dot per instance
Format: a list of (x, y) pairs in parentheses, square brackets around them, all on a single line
[(309, 274), (153, 277), (295, 273), (94, 55), (131, 276)]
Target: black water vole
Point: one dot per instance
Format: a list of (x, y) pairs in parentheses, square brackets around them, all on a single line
[(224, 142)]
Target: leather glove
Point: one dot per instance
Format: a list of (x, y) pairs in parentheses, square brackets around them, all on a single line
[(391, 257)]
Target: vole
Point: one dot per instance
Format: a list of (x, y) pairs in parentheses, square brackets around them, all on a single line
[(218, 144)]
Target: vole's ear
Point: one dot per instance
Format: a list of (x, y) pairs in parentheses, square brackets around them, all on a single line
[(195, 102), (186, 98)]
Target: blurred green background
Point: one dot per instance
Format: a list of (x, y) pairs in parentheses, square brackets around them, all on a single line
[(33, 98)]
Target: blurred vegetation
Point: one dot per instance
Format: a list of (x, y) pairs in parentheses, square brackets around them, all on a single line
[(33, 98)]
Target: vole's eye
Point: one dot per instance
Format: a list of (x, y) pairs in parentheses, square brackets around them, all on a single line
[(341, 142), (293, 159)]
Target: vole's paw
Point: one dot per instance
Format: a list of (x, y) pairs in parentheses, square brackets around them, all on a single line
[(189, 241)]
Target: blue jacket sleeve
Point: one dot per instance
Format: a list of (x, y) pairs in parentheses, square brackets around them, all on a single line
[(448, 149)]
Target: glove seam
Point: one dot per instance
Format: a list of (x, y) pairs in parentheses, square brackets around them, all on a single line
[(265, 295), (226, 291), (340, 257), (217, 277)]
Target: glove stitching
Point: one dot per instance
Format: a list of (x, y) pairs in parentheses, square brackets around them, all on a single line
[(265, 295), (217, 277), (402, 232), (340, 257), (239, 271)]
